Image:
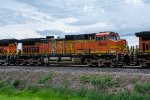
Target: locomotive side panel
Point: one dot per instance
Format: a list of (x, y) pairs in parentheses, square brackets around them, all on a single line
[(69, 47), (8, 51), (8, 47), (30, 49), (44, 48), (144, 44), (83, 46), (144, 41), (59, 47)]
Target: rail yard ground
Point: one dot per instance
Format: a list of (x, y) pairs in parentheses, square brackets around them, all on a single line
[(73, 83)]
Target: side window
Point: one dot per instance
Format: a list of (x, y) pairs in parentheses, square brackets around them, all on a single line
[(101, 38), (104, 38)]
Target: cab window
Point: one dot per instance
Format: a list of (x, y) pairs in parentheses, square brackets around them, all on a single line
[(114, 37)]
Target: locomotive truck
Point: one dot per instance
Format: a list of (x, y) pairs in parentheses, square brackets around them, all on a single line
[(96, 49)]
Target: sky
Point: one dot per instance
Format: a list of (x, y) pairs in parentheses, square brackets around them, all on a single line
[(39, 18)]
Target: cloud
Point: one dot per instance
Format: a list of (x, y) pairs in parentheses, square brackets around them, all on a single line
[(37, 18), (135, 2), (17, 12), (55, 33)]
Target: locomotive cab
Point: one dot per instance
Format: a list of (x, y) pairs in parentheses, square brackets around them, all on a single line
[(111, 42), (117, 44), (114, 37)]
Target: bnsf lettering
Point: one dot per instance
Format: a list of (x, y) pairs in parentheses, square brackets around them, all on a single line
[(102, 44)]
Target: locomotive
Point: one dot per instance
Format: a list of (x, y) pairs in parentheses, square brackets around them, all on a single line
[(143, 53), (96, 49)]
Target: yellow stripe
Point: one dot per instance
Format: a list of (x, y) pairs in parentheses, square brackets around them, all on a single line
[(114, 47), (147, 51)]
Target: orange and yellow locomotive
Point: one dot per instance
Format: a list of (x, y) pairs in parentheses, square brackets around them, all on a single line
[(100, 49)]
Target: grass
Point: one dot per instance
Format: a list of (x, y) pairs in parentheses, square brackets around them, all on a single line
[(103, 81), (12, 89), (143, 88), (62, 94), (9, 92), (135, 79), (45, 78)]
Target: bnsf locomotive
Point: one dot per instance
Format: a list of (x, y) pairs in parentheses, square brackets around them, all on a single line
[(95, 49)]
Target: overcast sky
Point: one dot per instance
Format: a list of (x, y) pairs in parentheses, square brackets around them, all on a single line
[(38, 18)]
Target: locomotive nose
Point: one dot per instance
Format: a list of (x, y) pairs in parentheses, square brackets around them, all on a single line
[(123, 46)]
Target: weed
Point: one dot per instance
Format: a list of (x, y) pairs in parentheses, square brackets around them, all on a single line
[(32, 89), (103, 81), (16, 83), (66, 84), (143, 88), (85, 79), (45, 78), (81, 92), (135, 79)]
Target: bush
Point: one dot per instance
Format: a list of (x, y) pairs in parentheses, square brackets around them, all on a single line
[(143, 88)]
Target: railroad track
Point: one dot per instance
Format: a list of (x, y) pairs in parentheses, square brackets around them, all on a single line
[(77, 69), (78, 66)]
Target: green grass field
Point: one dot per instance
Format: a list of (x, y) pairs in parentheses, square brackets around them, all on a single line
[(51, 95), (35, 93), (17, 90)]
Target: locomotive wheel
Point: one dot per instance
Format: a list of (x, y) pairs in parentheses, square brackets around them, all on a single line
[(88, 61), (144, 66), (120, 66), (100, 63), (148, 65), (115, 65)]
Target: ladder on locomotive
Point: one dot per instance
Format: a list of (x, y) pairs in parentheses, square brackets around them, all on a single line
[(133, 55), (120, 57)]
